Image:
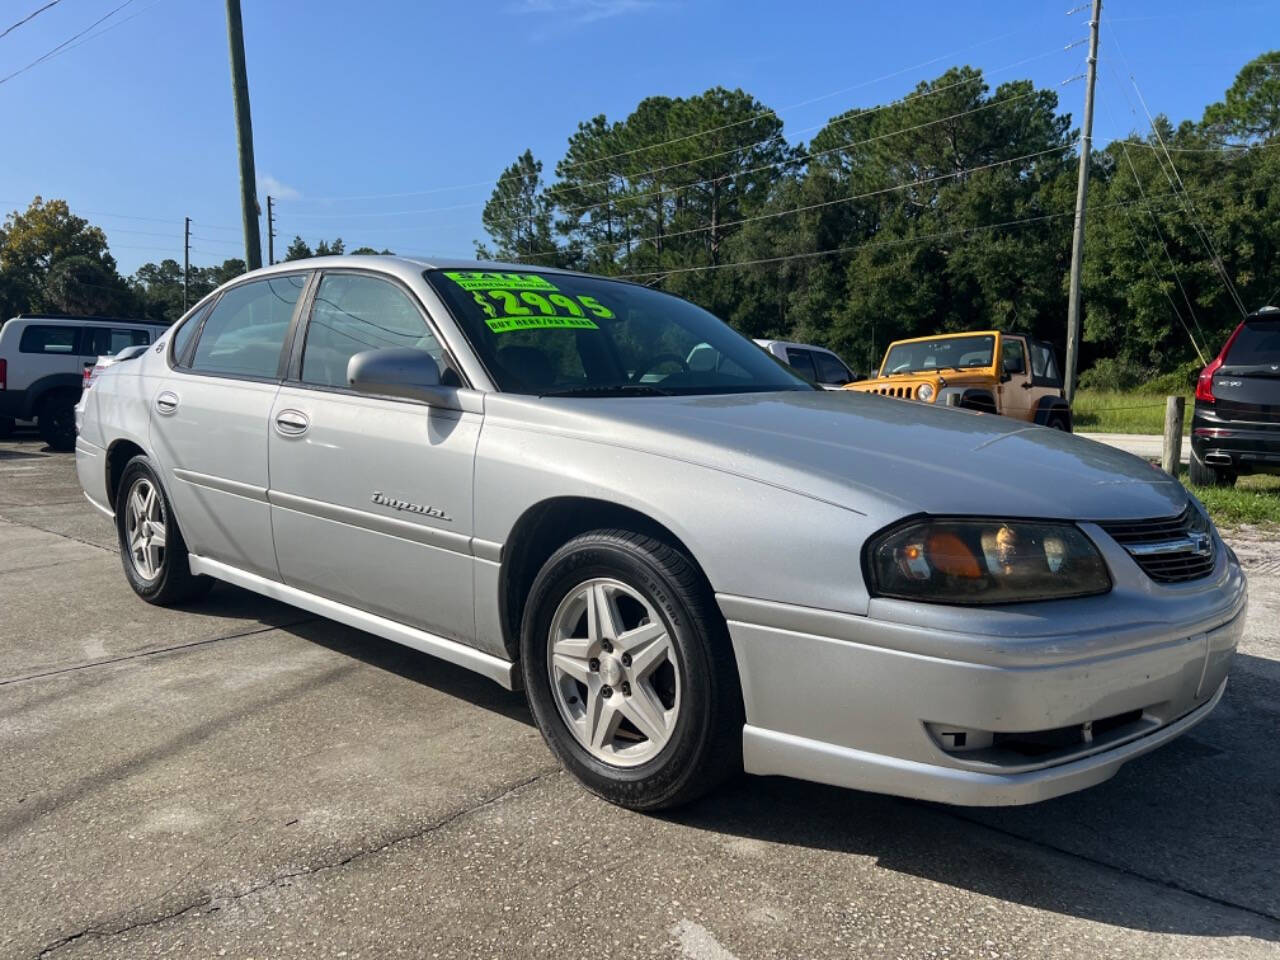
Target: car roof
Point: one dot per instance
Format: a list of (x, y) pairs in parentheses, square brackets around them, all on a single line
[(74, 319), (793, 343), (399, 264)]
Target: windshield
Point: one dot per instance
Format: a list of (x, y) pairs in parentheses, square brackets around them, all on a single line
[(953, 352), (565, 334)]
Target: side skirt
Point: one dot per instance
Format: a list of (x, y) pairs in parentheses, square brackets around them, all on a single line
[(499, 670)]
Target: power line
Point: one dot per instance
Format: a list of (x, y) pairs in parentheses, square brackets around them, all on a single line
[(652, 146), (64, 43), (119, 23), (128, 216), (867, 245), (825, 203), (30, 16), (773, 165)]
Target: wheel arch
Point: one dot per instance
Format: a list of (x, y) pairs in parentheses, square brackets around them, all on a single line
[(1050, 406), (546, 526), (979, 399), (119, 453), (48, 386)]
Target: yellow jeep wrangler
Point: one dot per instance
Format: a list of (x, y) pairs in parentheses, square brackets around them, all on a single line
[(1005, 373)]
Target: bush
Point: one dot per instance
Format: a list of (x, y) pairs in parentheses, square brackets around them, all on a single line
[(1115, 374), (1182, 379)]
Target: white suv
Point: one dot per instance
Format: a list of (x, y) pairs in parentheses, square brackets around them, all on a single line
[(42, 365), (816, 364)]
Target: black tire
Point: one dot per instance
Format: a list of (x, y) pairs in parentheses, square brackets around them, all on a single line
[(1203, 475), (705, 744), (174, 582), (6, 427), (56, 419), (1057, 421)]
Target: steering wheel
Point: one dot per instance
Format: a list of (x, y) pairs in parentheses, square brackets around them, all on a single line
[(661, 358)]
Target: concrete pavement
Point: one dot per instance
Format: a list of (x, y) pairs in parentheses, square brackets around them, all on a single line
[(241, 779), (1146, 445)]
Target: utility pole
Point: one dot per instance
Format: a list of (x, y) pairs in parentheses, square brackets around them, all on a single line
[(244, 138), (186, 262), (1082, 194), (271, 231)]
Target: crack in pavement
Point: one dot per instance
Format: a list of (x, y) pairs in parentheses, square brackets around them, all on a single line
[(154, 651), (66, 536), (1116, 868), (216, 903)]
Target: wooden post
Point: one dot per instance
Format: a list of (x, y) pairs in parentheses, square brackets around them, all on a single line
[(1173, 411)]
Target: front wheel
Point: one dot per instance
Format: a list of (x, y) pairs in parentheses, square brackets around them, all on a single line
[(629, 671), (151, 545)]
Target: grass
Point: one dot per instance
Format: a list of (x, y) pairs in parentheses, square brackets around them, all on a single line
[(1253, 500), (1107, 411)]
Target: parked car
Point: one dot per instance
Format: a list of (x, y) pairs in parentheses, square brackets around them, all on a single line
[(42, 367), (716, 569), (1005, 373), (1236, 425), (817, 364)]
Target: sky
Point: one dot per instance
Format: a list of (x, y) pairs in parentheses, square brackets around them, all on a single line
[(386, 122)]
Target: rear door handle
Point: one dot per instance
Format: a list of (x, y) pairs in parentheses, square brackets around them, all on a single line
[(167, 402), (292, 423)]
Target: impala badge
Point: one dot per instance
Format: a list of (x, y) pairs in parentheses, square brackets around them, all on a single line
[(384, 501)]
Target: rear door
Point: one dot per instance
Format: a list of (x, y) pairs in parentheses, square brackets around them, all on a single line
[(801, 361), (1045, 379), (1247, 385), (371, 496), (210, 420)]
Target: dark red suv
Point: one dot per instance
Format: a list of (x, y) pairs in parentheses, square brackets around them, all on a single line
[(1236, 428)]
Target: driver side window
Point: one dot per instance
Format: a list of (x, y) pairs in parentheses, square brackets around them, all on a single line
[(1013, 358)]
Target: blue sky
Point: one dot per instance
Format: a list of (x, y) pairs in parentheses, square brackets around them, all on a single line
[(418, 106)]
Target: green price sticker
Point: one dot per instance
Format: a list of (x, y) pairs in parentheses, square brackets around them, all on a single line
[(472, 280), (512, 324)]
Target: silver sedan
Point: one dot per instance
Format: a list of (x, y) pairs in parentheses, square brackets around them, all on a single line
[(692, 560)]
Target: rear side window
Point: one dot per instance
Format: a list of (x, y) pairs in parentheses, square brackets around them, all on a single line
[(801, 361), (244, 334), (830, 369), (1044, 365), (40, 339), (354, 313), (108, 341), (183, 336), (1258, 342)]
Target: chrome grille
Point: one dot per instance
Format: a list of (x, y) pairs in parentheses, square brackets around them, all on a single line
[(1169, 550)]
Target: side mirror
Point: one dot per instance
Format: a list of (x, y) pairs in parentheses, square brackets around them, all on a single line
[(399, 372)]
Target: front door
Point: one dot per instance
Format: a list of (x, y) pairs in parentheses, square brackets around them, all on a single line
[(209, 423), (371, 497), (1015, 393)]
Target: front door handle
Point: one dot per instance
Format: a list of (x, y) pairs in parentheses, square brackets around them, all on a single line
[(292, 423), (167, 402)]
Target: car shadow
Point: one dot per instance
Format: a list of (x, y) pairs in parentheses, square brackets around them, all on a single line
[(1195, 818)]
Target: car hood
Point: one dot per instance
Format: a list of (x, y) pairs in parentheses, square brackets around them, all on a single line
[(875, 455)]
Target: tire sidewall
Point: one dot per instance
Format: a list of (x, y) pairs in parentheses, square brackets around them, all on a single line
[(136, 469), (60, 435), (649, 783)]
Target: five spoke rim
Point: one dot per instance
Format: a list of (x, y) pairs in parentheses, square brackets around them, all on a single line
[(614, 674), (145, 528)]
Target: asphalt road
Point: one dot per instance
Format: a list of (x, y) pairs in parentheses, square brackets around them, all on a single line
[(241, 779)]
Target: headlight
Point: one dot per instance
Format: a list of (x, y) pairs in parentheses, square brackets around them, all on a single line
[(925, 392), (984, 561)]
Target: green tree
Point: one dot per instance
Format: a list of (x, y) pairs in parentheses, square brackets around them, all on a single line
[(518, 216), (1251, 109)]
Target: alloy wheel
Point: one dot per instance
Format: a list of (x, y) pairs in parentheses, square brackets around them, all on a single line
[(614, 674), (145, 528)]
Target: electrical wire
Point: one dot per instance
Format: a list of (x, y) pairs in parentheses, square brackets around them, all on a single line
[(601, 160), (66, 42), (30, 16)]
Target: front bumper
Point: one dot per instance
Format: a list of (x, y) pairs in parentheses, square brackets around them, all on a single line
[(858, 701)]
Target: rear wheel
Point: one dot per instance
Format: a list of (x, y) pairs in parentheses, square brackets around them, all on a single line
[(1058, 422), (56, 419), (151, 545), (629, 672), (1203, 475)]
